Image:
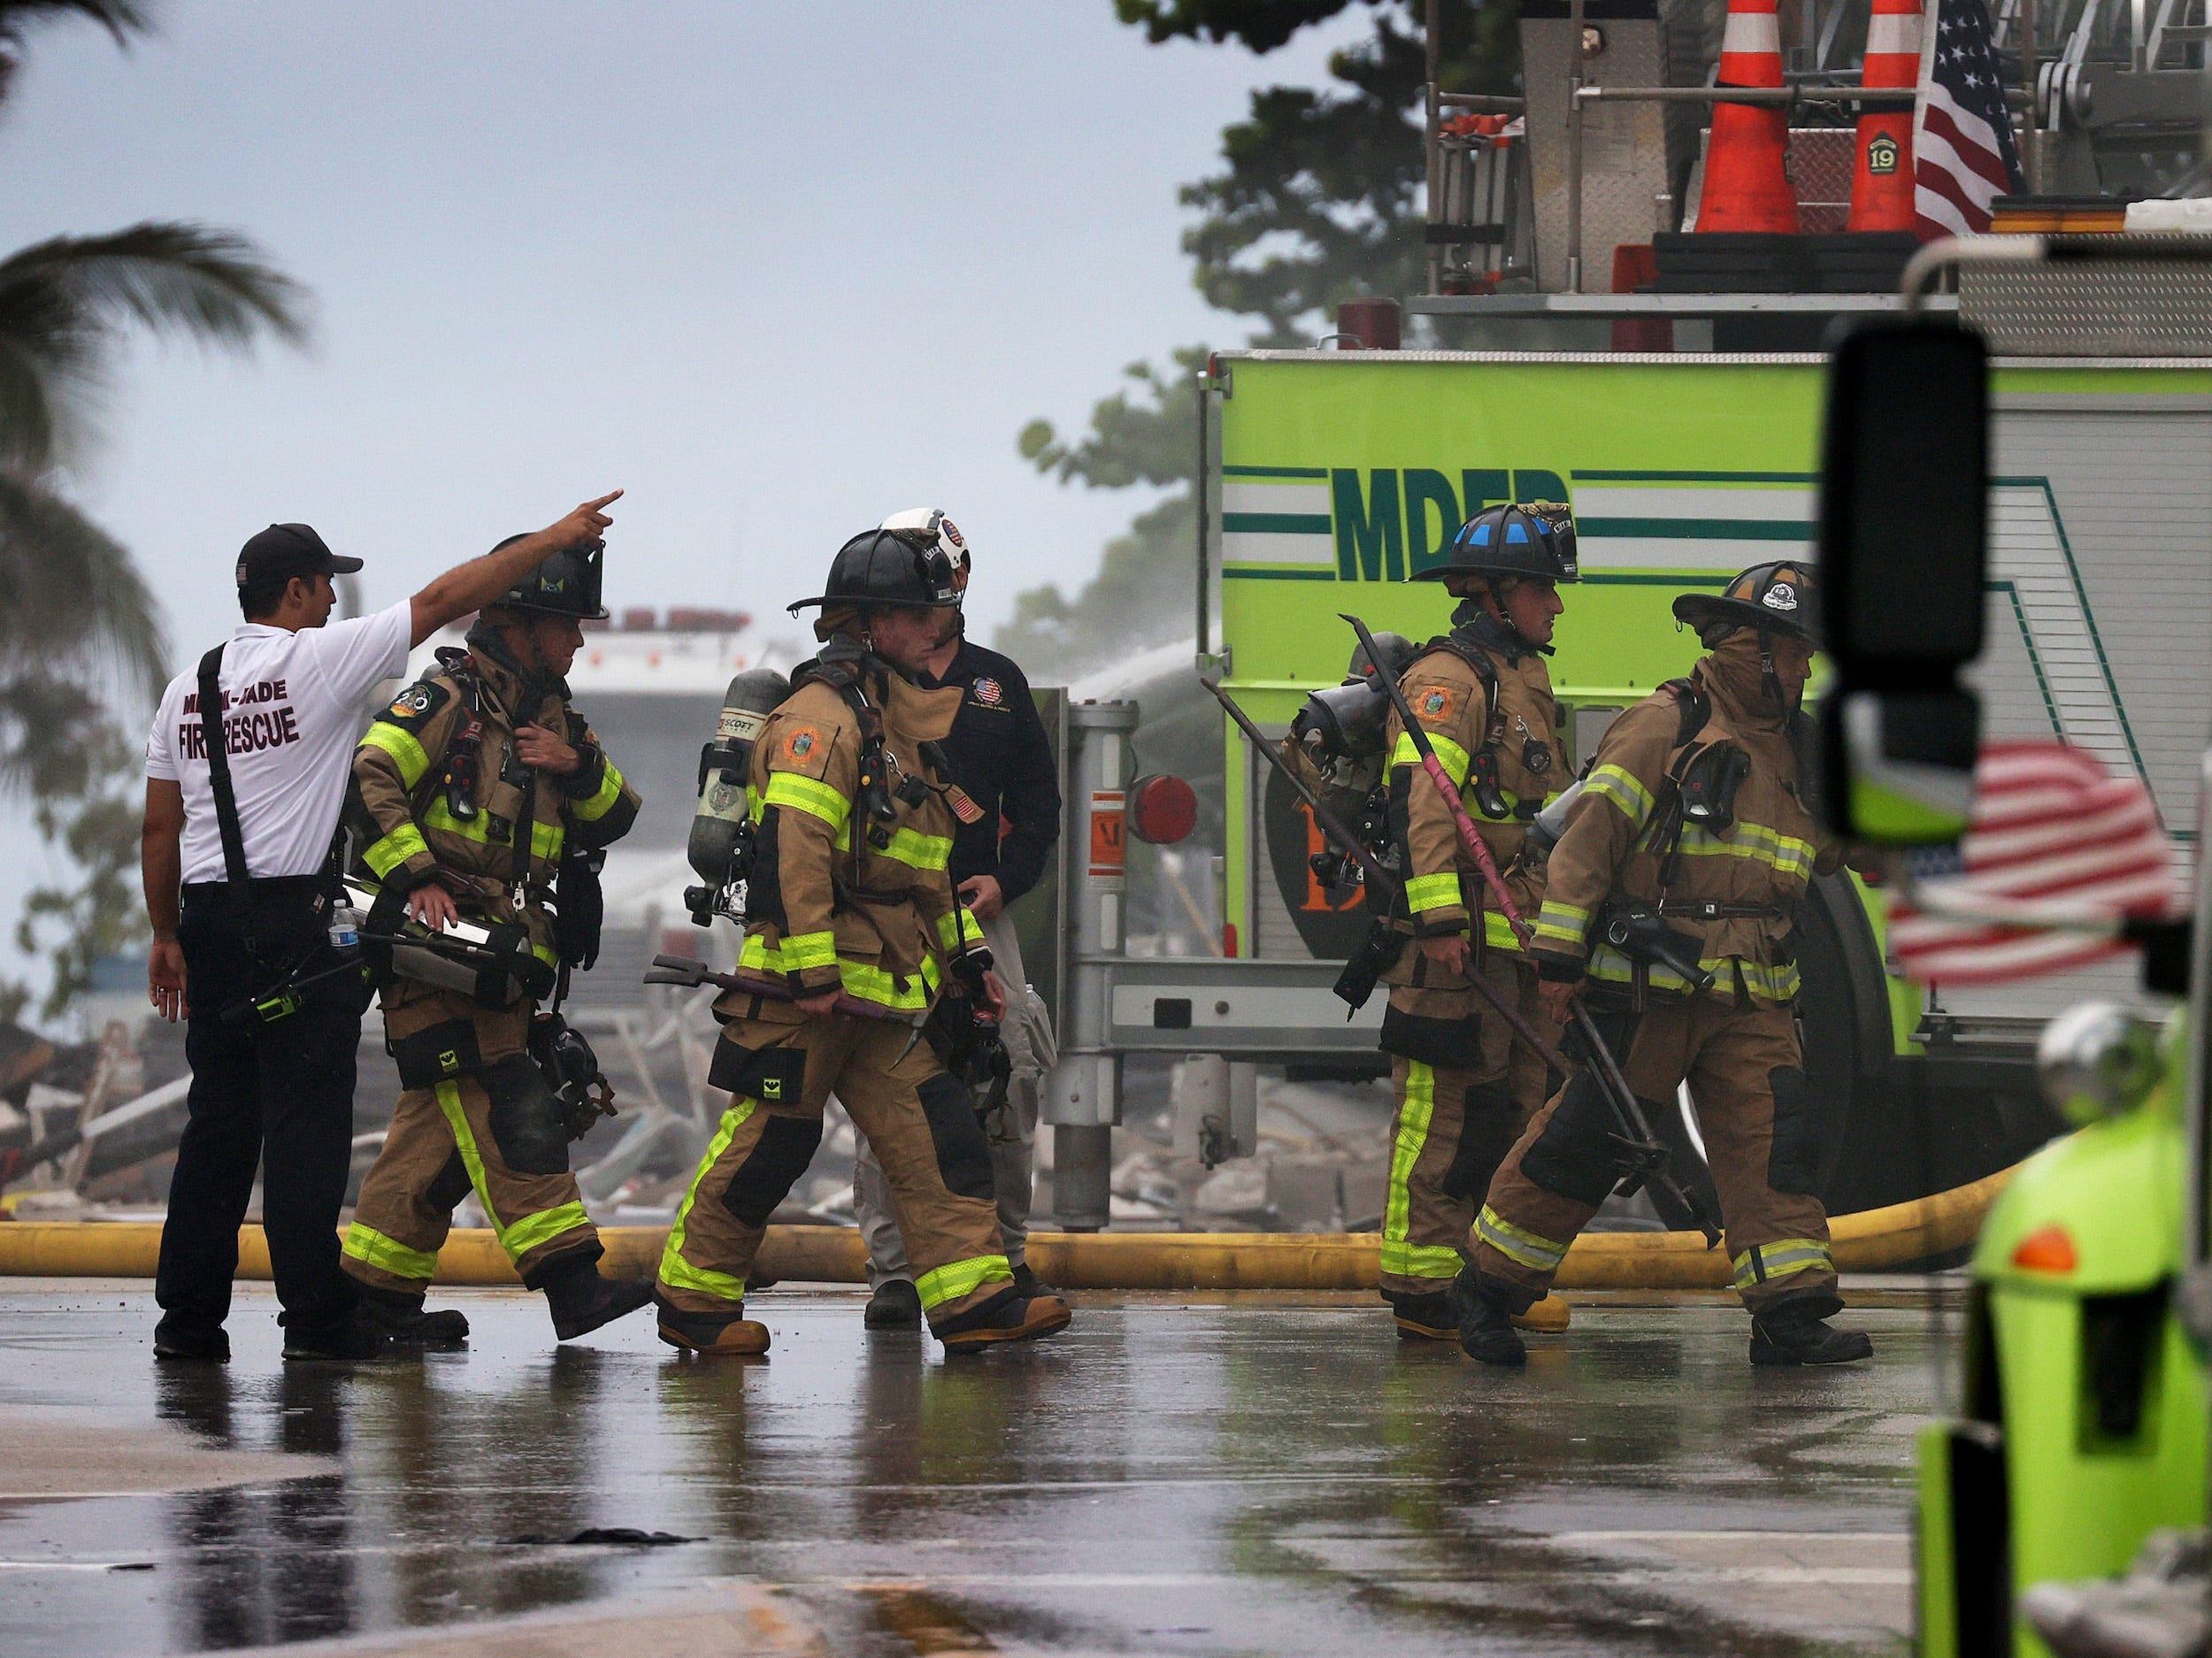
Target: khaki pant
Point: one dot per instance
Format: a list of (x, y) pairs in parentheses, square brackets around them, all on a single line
[(487, 1126), (1012, 1131), (1744, 1067), (782, 1067), (1454, 1123)]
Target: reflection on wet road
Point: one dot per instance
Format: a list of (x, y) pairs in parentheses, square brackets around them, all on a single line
[(1278, 1474)]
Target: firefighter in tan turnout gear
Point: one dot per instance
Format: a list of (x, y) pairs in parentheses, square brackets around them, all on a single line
[(1466, 1084), (1669, 908), (481, 794), (860, 975)]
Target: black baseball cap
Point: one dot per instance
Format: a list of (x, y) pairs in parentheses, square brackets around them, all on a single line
[(285, 550)]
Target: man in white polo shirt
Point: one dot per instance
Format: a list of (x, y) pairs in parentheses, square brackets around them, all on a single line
[(240, 890)]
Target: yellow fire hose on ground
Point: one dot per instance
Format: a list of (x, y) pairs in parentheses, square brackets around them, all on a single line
[(1868, 1241)]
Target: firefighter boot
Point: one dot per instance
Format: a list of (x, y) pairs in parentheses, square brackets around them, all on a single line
[(1485, 1322), (1429, 1317), (728, 1335), (1796, 1333), (896, 1305), (401, 1317), (1007, 1317), (579, 1300), (1029, 1286), (1546, 1317)]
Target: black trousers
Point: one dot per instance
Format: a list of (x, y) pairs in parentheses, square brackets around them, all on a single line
[(278, 1096)]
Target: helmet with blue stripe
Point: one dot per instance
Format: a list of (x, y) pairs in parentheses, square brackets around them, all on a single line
[(1536, 541)]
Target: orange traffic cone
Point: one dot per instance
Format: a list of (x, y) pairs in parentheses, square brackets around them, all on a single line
[(1882, 180), (1747, 186)]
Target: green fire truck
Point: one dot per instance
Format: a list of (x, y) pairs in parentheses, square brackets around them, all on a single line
[(1332, 475)]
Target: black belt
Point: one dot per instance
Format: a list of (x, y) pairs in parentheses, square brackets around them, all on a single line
[(278, 886), (1685, 911)]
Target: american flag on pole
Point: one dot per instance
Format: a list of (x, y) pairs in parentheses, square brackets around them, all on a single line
[(2052, 832), (1961, 141)]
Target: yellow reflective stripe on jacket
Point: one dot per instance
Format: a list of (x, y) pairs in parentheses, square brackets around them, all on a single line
[(678, 1273), (950, 1282), (400, 743), (871, 983), (1777, 982), (545, 838), (1453, 757), (800, 953), (601, 800), (527, 1232), (1562, 921), (917, 851), (1784, 854), (807, 794), (1611, 782), (1778, 1260), (957, 930), (1433, 892), (1532, 1250), (1498, 933), (371, 1248), (383, 856)]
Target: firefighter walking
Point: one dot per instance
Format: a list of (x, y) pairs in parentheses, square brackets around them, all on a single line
[(1670, 907), (1466, 1084), (482, 794), (859, 972)]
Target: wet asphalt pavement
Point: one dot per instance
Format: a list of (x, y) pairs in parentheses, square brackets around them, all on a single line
[(1177, 1474)]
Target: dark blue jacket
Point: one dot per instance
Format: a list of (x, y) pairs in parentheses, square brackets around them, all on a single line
[(999, 754)]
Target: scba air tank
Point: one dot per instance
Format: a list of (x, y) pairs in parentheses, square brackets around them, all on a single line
[(717, 832)]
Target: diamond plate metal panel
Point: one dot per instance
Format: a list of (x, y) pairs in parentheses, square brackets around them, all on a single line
[(2094, 311), (1623, 145)]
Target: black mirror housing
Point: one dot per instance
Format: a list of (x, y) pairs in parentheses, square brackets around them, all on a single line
[(1904, 554)]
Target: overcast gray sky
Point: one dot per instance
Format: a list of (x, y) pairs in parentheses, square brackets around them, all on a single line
[(776, 270)]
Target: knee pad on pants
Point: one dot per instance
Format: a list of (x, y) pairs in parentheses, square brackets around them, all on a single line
[(527, 1121), (1794, 1154), (1440, 1044), (773, 1166), (1486, 1133), (450, 1186), (1573, 1157), (963, 1154)]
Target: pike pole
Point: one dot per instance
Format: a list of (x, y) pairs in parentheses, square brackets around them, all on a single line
[(1646, 1155)]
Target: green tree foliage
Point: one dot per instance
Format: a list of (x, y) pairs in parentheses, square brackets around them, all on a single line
[(1319, 201), (79, 633)]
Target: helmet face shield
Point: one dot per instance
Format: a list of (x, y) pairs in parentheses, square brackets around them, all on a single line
[(929, 527)]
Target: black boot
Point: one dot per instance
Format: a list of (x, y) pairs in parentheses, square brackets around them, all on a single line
[(352, 1338), (1485, 1321), (401, 1317), (896, 1305), (579, 1299), (1429, 1317), (1009, 1316), (1796, 1333), (1030, 1286), (181, 1341)]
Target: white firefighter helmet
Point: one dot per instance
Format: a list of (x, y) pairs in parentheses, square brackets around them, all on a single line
[(928, 527)]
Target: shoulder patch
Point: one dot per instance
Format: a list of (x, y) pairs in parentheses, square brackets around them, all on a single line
[(804, 747), (416, 703), (1433, 704)]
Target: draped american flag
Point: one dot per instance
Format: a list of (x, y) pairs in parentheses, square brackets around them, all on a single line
[(1962, 143), (2052, 828)]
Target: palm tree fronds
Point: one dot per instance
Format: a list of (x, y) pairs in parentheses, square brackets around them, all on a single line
[(70, 597)]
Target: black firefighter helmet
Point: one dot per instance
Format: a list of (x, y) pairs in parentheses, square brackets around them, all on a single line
[(1537, 541), (566, 584), (879, 568), (1780, 598)]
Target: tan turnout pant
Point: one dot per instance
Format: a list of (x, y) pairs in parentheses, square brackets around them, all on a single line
[(1455, 1123), (486, 1124), (1745, 1070), (781, 1066)]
